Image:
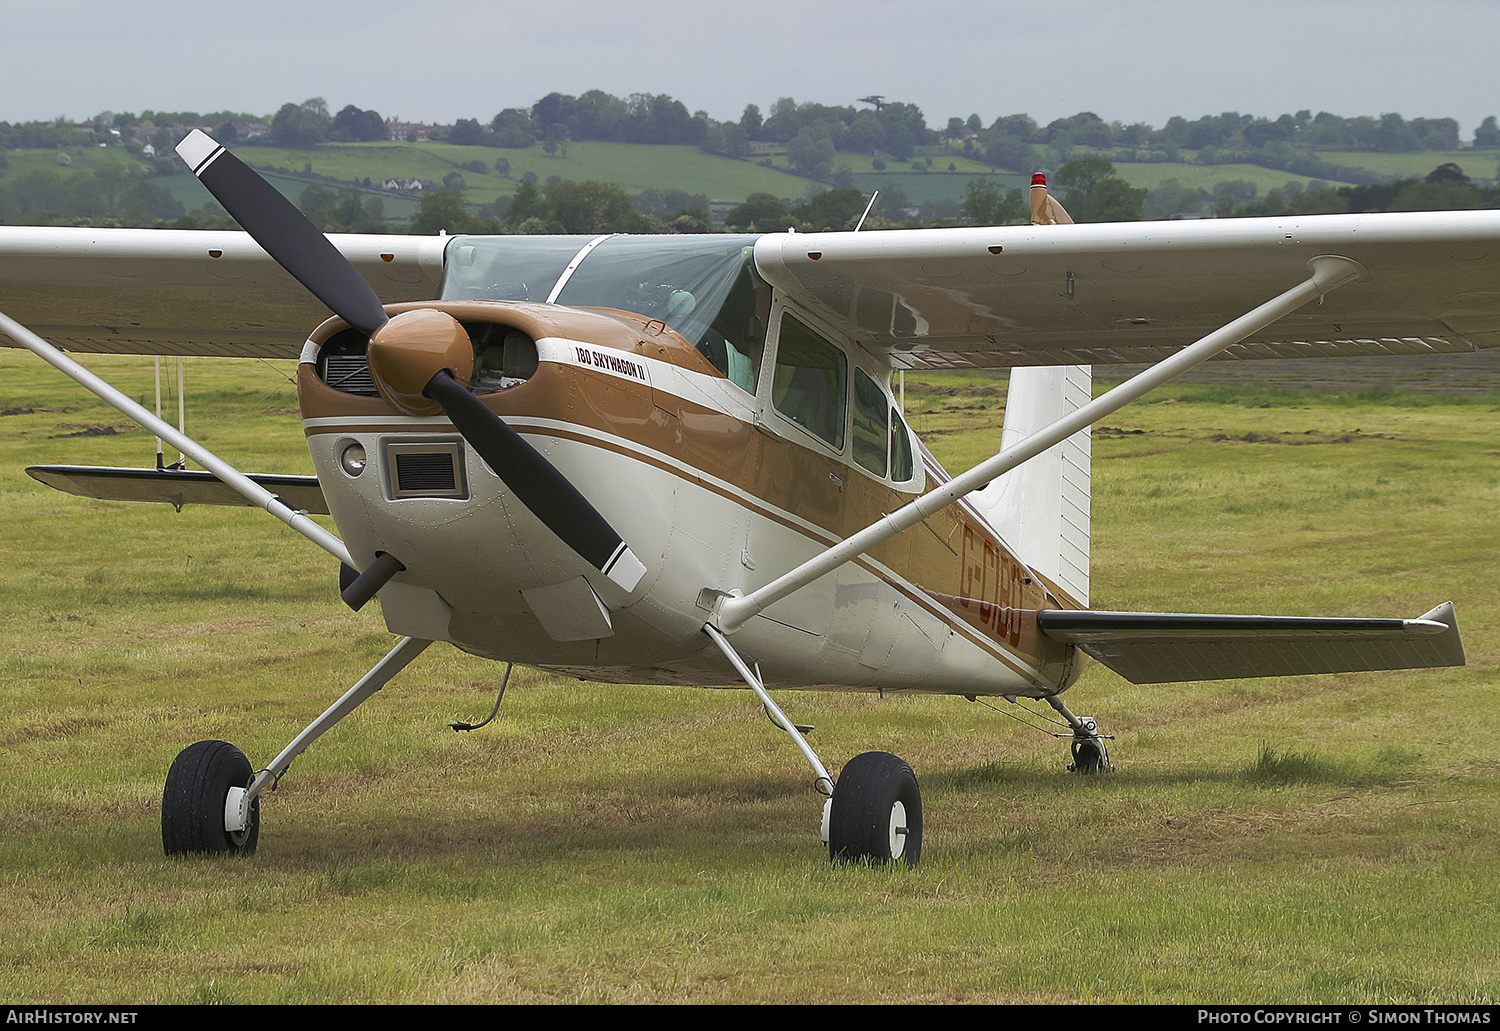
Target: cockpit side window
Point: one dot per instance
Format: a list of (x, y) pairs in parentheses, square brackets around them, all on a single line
[(735, 340), (811, 383)]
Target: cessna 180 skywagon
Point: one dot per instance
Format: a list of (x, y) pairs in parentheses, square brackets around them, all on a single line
[(678, 460)]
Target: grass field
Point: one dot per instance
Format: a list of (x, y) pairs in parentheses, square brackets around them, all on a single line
[(939, 183), (1304, 839), (635, 168), (1477, 164)]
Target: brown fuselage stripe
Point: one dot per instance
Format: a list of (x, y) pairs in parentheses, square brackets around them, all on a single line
[(825, 493), (923, 597), (929, 600)]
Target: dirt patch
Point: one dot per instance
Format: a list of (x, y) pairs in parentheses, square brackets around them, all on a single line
[(962, 390), (1296, 439), (54, 731), (91, 429)]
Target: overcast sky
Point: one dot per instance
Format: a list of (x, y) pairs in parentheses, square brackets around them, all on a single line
[(1126, 60)]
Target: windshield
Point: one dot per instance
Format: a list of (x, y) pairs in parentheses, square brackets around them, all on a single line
[(506, 268), (704, 287)]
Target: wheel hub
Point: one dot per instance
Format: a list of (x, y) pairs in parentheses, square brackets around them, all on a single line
[(898, 830)]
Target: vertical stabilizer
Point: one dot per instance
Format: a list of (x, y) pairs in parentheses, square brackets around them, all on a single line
[(1041, 508)]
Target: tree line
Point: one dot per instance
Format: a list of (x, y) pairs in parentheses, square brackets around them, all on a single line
[(811, 134), (893, 128), (120, 192)]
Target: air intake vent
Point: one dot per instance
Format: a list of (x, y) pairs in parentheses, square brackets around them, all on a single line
[(342, 364), (429, 469), (349, 373), (424, 473)]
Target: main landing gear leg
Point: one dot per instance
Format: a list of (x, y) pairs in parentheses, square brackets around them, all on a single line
[(211, 804), (875, 813), (1089, 753)]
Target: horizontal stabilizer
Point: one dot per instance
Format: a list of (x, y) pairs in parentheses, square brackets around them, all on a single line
[(175, 486), (1155, 648)]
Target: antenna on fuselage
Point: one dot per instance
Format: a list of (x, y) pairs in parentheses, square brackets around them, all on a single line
[(498, 698), (868, 206)]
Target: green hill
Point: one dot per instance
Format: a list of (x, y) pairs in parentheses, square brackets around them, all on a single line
[(636, 168), (936, 174)]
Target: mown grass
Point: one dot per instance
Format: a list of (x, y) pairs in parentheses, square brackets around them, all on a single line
[(1292, 840), (1148, 175), (634, 167), (1477, 164)]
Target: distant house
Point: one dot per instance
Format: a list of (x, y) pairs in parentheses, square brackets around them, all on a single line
[(407, 184), (399, 131)]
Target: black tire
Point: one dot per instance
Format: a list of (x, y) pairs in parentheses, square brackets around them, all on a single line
[(876, 795), (1087, 758), (192, 803)]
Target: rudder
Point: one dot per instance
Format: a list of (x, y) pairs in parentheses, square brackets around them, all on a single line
[(1041, 508)]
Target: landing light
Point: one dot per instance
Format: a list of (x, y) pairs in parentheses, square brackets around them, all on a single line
[(353, 459)]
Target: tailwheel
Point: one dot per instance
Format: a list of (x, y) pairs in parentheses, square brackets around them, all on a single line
[(876, 812), (196, 797), (1090, 753), (1089, 757)]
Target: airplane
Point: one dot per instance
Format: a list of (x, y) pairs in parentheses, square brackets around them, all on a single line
[(679, 460)]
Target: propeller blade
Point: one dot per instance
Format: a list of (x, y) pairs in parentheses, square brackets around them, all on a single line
[(275, 223), (297, 245), (536, 482)]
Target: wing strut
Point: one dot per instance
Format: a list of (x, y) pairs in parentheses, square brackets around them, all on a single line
[(252, 491), (1329, 271)]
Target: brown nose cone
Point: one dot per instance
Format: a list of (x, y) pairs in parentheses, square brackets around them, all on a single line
[(410, 349)]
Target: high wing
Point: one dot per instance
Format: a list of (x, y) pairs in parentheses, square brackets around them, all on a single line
[(1134, 292), (951, 298), (183, 292)]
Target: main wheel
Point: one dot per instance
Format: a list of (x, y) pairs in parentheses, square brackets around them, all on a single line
[(877, 812), (192, 803)]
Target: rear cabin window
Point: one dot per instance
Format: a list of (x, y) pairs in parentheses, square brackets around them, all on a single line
[(871, 424), (881, 442), (811, 382), (901, 460)]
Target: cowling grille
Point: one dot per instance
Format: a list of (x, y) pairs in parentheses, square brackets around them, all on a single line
[(428, 469)]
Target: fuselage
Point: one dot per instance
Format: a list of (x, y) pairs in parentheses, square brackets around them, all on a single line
[(722, 463)]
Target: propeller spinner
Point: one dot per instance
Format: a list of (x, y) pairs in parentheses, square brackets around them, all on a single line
[(420, 360)]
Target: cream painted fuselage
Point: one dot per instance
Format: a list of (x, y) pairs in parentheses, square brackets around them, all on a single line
[(715, 491)]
